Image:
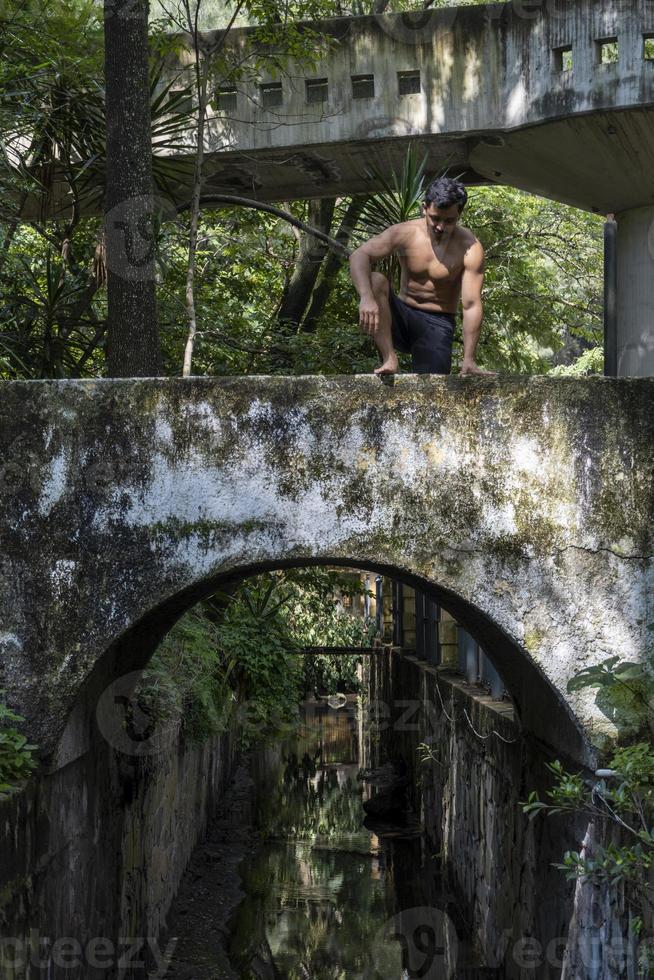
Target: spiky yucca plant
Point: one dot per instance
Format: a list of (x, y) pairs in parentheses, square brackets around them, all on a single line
[(398, 201)]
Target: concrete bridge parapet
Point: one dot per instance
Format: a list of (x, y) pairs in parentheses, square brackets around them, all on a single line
[(524, 505)]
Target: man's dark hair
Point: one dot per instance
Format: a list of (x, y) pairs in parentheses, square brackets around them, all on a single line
[(445, 192)]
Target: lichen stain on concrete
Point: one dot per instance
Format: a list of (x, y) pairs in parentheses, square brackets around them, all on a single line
[(54, 483)]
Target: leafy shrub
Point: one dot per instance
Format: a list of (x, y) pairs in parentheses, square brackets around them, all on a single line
[(625, 691), (16, 762), (590, 362), (622, 802), (621, 798), (267, 671), (187, 680), (241, 652)]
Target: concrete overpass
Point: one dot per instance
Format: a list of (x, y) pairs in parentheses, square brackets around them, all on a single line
[(523, 506), (516, 93)]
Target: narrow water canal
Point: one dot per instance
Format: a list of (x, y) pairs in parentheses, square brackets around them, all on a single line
[(328, 897)]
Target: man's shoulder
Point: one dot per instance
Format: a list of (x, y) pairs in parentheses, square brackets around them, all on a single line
[(408, 227), (467, 237), (470, 249), (403, 233)]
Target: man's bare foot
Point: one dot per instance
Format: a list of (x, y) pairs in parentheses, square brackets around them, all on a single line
[(390, 366)]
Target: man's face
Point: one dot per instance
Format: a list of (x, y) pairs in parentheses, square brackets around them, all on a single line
[(441, 221)]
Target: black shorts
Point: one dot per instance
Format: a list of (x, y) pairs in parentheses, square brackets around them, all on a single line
[(426, 336)]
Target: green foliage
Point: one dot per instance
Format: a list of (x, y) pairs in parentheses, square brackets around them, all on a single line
[(52, 309), (543, 285), (542, 294), (187, 680), (622, 801), (427, 754), (52, 106), (625, 691), (238, 655), (316, 618), (45, 327), (590, 362), (315, 611), (401, 195), (568, 793), (636, 765), (398, 201), (268, 621), (544, 261), (16, 754), (267, 674), (608, 674), (51, 109), (622, 805)]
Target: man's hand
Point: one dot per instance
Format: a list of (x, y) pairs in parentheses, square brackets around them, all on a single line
[(469, 367), (369, 315)]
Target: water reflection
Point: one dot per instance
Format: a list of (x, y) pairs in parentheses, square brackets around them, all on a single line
[(321, 892)]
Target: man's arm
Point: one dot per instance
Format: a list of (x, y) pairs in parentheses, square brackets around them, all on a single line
[(361, 261), (473, 311)]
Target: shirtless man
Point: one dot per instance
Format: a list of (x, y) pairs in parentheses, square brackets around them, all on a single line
[(441, 261)]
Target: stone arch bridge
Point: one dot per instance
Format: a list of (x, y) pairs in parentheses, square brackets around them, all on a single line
[(553, 96), (524, 506)]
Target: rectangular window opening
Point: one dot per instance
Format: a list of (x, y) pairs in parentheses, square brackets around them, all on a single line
[(408, 82), (226, 99), (363, 86), (607, 51), (316, 89), (563, 60), (648, 47), (271, 94)]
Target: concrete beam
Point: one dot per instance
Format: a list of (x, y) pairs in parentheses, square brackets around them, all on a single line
[(486, 89)]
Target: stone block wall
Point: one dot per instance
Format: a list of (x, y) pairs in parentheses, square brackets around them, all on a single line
[(91, 857), (515, 913)]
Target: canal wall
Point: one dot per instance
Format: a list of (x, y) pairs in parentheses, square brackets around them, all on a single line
[(91, 857), (516, 916)]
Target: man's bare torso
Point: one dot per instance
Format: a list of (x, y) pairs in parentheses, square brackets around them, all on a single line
[(432, 273)]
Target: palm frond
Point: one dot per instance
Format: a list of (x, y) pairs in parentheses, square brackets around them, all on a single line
[(401, 195)]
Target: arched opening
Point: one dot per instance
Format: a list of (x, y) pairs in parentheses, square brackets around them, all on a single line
[(540, 709)]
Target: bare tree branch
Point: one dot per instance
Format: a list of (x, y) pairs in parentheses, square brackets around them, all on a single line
[(245, 202)]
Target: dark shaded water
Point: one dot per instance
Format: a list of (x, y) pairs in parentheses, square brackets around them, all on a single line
[(327, 898)]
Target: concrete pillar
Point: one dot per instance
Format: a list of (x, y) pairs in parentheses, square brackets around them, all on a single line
[(635, 341), (611, 297)]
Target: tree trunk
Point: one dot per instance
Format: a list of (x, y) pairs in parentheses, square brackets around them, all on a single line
[(11, 231), (333, 264), (133, 333), (202, 68), (201, 79), (307, 266)]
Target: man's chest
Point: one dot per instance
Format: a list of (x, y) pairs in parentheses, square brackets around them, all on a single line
[(422, 262)]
